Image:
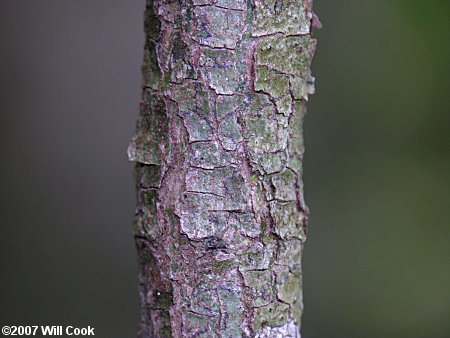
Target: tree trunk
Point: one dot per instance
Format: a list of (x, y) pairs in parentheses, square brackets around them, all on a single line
[(220, 221)]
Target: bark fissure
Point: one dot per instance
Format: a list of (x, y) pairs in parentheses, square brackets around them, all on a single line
[(220, 219)]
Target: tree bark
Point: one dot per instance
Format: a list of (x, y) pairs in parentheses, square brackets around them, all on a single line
[(220, 221)]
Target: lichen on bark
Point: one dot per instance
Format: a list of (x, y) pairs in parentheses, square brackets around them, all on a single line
[(221, 219)]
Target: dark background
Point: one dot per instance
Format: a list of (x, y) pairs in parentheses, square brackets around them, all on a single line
[(376, 168)]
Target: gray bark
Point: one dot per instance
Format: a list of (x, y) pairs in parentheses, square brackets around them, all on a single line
[(220, 222)]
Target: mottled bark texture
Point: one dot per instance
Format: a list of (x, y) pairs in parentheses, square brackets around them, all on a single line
[(220, 222)]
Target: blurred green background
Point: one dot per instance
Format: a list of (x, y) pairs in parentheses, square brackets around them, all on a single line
[(376, 168), (377, 171)]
